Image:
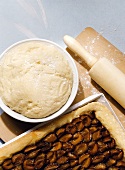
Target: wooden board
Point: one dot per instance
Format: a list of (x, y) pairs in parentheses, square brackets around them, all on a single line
[(98, 46)]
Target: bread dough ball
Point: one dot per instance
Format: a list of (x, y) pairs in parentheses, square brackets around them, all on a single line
[(35, 79)]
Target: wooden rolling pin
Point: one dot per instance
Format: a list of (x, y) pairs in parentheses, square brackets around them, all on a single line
[(104, 73)]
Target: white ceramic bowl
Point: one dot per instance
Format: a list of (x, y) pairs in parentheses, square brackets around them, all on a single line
[(71, 97)]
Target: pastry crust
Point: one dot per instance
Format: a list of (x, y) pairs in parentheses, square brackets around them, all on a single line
[(102, 114)]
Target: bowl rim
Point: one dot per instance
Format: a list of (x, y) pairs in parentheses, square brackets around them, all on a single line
[(71, 98)]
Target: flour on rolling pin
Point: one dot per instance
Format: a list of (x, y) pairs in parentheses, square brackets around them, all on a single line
[(104, 73)]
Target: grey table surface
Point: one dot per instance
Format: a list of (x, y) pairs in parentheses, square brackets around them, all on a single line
[(52, 19)]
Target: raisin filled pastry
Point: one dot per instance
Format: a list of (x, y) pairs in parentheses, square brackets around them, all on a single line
[(87, 138)]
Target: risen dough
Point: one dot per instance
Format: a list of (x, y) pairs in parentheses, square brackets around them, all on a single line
[(35, 79)]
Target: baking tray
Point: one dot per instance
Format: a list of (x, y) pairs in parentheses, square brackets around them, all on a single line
[(94, 98)]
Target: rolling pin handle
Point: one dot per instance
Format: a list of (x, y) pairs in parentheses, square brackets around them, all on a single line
[(77, 48)]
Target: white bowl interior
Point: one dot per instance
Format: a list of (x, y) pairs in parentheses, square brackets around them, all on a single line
[(71, 97)]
